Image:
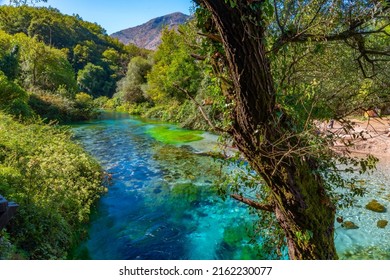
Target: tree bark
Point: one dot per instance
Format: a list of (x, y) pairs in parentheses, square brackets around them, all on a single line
[(301, 203)]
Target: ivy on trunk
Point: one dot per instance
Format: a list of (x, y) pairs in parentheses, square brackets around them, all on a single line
[(264, 134)]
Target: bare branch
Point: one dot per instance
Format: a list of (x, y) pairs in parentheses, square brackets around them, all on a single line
[(207, 119), (254, 204), (351, 31), (213, 37), (277, 17), (198, 57)]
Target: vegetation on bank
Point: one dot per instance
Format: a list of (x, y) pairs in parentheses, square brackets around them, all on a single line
[(320, 65), (48, 66), (55, 184), (173, 84), (57, 59)]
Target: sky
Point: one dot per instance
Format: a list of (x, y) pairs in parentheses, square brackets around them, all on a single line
[(115, 15)]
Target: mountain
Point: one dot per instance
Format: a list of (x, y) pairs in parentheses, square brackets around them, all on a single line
[(148, 35)]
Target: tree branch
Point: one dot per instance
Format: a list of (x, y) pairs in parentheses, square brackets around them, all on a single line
[(254, 204), (349, 32), (200, 109), (213, 37), (198, 57)]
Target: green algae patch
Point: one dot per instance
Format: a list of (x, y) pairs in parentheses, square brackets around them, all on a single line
[(170, 135)]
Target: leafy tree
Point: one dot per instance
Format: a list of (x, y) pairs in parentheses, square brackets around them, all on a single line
[(9, 62), (174, 68), (280, 145), (13, 99), (131, 88), (43, 66), (25, 2), (83, 42), (93, 79), (83, 53)]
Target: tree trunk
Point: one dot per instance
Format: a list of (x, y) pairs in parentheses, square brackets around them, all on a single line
[(300, 201)]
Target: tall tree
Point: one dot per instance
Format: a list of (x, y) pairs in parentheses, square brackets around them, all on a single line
[(270, 138)]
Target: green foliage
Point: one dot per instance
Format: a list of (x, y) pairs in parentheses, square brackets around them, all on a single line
[(93, 79), (54, 182), (34, 64), (62, 109), (174, 68), (131, 88), (13, 99), (80, 42), (9, 60)]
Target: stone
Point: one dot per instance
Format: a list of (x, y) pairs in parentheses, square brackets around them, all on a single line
[(375, 206), (382, 223), (349, 225)]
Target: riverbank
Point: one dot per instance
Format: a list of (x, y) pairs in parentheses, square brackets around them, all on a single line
[(54, 182), (370, 136)]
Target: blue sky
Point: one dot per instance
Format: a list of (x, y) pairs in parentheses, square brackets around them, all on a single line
[(115, 15)]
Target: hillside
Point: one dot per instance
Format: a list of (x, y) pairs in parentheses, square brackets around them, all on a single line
[(148, 35)]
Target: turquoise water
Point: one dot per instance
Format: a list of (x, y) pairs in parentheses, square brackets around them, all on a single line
[(368, 241), (162, 204)]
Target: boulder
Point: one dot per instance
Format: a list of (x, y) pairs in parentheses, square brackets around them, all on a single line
[(382, 223), (375, 206), (349, 225)]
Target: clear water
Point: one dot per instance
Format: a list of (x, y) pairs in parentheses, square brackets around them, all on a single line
[(161, 203), (368, 241)]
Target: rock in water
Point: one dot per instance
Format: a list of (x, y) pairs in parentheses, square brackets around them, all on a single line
[(375, 206), (382, 223), (349, 225)]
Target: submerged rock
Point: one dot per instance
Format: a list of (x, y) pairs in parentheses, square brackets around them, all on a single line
[(382, 223), (349, 225), (375, 206)]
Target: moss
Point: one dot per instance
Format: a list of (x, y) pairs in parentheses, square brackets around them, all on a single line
[(169, 135), (249, 253), (234, 235), (187, 192), (375, 206), (349, 225), (382, 223)]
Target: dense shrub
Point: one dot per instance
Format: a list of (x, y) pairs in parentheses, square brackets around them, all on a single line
[(53, 180), (13, 99), (56, 107)]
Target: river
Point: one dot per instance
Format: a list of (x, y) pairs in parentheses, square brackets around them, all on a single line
[(162, 203)]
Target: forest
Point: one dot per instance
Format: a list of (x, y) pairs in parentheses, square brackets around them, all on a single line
[(260, 74)]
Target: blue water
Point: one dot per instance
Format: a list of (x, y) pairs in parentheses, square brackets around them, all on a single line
[(161, 202)]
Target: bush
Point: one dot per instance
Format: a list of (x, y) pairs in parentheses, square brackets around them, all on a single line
[(55, 107), (13, 99), (54, 182)]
